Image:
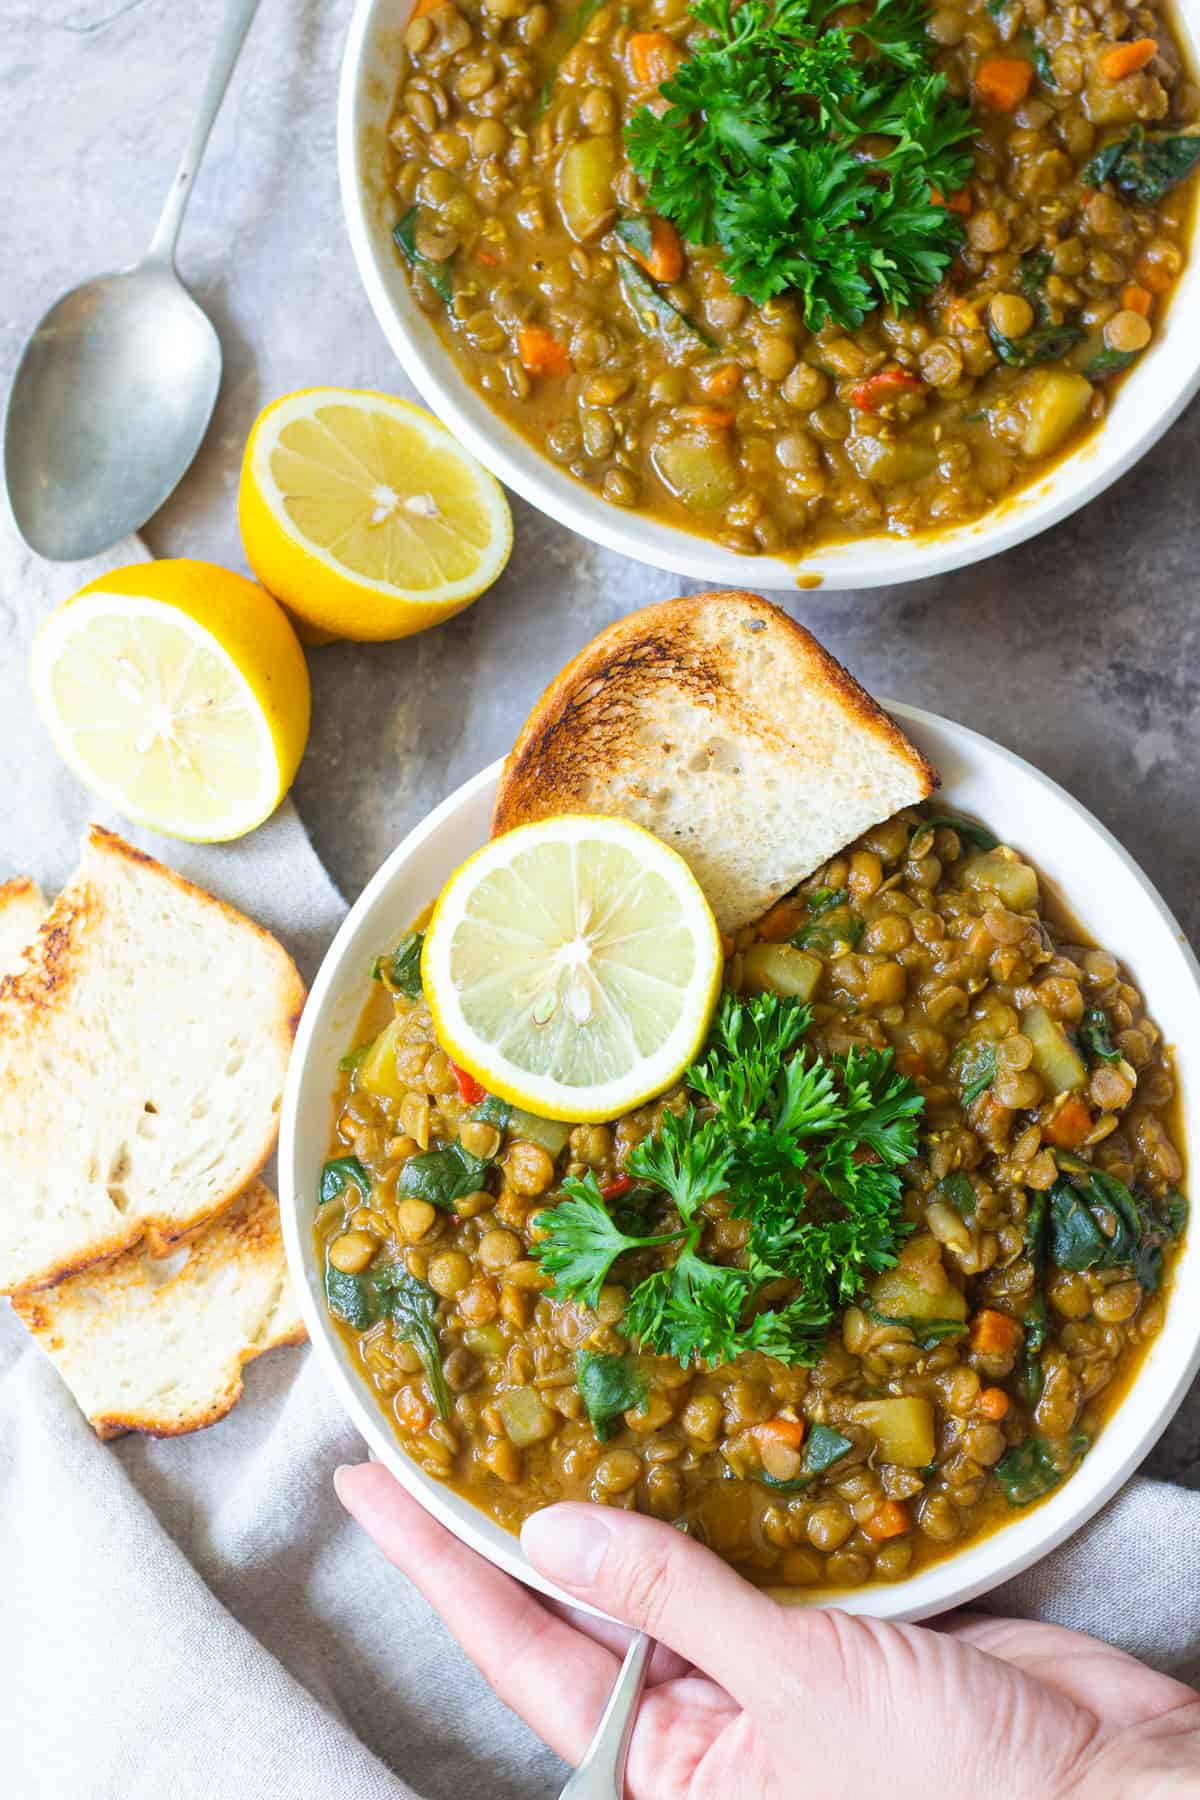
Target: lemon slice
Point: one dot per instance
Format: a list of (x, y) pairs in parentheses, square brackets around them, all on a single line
[(364, 516), (572, 966), (178, 692)]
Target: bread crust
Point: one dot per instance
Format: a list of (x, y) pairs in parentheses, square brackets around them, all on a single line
[(34, 998), (589, 712)]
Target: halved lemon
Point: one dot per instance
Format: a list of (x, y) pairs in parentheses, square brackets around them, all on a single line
[(364, 516), (572, 966), (178, 692)]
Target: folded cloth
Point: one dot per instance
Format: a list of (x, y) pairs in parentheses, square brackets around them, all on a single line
[(196, 1617)]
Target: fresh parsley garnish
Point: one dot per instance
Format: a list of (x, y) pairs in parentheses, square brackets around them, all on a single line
[(806, 1149), (762, 151)]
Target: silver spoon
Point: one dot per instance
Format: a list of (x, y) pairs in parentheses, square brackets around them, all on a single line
[(601, 1774), (114, 392)]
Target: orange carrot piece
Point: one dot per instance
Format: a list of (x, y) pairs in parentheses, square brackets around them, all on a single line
[(993, 1403), (877, 390), (425, 6), (1002, 82), (1127, 59), (708, 418), (1135, 298), (720, 382), (540, 352), (994, 1333), (665, 262), (890, 1521), (1070, 1125), (780, 1431), (782, 922), (960, 202), (490, 258), (653, 57)]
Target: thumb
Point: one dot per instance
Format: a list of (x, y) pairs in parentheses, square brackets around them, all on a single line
[(654, 1577)]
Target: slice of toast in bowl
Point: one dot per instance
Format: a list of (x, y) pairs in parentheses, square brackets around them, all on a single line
[(725, 728), (143, 1046), (158, 1344)]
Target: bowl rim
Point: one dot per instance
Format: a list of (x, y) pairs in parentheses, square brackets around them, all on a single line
[(1065, 1512), (882, 560)]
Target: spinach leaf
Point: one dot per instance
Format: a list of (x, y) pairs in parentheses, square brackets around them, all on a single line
[(823, 899), (1081, 1208), (401, 970), (608, 1386), (1145, 164), (1032, 271), (655, 313), (1036, 1319), (1093, 1035), (835, 926), (1043, 65), (492, 1110), (1107, 363), (1031, 1469), (638, 234), (929, 1333), (443, 1176), (340, 1174), (958, 1191), (411, 1305), (822, 1448), (1046, 345), (573, 29), (348, 1063), (1175, 1212), (966, 828), (404, 236), (1078, 1242), (350, 1297), (973, 1066)]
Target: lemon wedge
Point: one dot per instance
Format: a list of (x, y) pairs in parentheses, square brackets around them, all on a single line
[(572, 966), (364, 516), (179, 693)]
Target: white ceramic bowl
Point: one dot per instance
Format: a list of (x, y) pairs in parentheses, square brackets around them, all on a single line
[(1153, 397), (1111, 898)]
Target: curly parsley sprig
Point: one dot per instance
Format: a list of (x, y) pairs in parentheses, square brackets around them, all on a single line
[(808, 1150), (812, 167)]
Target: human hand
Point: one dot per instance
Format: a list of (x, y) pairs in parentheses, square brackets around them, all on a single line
[(750, 1700)]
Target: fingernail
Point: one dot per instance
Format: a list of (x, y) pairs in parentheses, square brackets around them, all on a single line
[(567, 1543), (342, 1469)]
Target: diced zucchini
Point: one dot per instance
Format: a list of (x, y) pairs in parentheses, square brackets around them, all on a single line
[(551, 1134), (527, 1418), (900, 1296), (377, 1072), (700, 472), (586, 171), (903, 1429), (781, 969), (1055, 1058), (887, 462), (1010, 878), (1055, 401)]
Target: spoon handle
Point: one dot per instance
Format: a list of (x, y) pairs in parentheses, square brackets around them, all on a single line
[(601, 1774), (238, 17)]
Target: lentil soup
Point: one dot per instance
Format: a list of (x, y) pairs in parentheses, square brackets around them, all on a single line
[(963, 1378), (765, 393)]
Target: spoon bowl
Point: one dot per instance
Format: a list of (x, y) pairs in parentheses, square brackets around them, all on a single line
[(110, 403)]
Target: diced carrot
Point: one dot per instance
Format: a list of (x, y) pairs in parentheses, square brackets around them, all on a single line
[(471, 1091), (1126, 59), (877, 390), (708, 418), (936, 196), (960, 316), (780, 1431), (425, 6), (994, 1333), (1002, 82), (993, 1403), (961, 201), (782, 922), (1135, 298), (540, 351), (890, 1521), (720, 382), (653, 57), (490, 258), (1070, 1125), (612, 1190), (1152, 275), (665, 261)]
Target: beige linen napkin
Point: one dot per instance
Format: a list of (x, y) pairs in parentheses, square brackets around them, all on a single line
[(196, 1618)]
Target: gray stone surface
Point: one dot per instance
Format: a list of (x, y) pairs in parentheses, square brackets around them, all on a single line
[(1081, 649)]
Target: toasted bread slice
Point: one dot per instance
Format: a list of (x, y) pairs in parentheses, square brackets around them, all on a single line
[(722, 726), (159, 1344), (143, 1047), (22, 909)]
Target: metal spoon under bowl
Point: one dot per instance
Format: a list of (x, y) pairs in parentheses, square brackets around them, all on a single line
[(601, 1774), (114, 392)]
